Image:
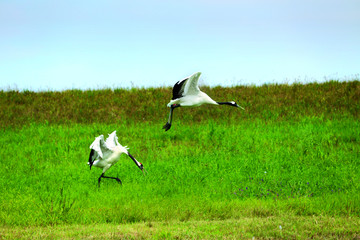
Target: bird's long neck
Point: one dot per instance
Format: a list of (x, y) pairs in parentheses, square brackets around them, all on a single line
[(135, 161), (226, 103)]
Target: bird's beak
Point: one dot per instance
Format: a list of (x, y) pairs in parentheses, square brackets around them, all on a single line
[(240, 107), (144, 171)]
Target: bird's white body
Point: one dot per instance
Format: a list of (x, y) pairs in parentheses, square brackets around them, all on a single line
[(109, 159), (105, 154), (108, 151), (193, 100)]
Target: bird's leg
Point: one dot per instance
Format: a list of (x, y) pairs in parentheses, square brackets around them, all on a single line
[(167, 126), (100, 179), (102, 176)]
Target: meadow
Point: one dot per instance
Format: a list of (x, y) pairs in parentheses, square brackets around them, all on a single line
[(286, 167)]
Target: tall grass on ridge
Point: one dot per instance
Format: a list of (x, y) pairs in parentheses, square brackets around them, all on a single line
[(281, 102)]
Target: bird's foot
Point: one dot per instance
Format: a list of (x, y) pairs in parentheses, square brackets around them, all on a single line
[(167, 126), (118, 180)]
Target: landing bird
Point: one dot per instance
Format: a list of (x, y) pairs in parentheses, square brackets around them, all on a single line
[(186, 93), (105, 154)]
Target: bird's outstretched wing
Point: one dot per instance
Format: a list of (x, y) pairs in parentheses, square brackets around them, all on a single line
[(100, 146), (187, 86), (191, 86), (112, 140)]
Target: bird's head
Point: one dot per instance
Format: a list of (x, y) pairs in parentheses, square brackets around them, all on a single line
[(236, 105), (141, 166)]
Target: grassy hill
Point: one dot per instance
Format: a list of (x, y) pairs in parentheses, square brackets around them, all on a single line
[(272, 102)]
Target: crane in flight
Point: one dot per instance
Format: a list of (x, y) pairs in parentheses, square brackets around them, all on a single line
[(186, 93)]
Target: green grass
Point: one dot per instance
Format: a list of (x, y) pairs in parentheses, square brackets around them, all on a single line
[(245, 174), (208, 171), (292, 227)]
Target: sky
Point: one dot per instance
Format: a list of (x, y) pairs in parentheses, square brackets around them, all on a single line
[(60, 45)]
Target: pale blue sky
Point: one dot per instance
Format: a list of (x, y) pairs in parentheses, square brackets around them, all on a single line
[(58, 45)]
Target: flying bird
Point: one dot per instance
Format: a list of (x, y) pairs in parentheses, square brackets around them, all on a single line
[(105, 154), (186, 93)]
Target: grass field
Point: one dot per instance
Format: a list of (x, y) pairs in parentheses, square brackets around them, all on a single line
[(275, 227), (291, 159)]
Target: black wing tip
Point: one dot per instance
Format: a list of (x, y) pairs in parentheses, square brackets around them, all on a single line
[(91, 158), (167, 126), (177, 89), (181, 82)]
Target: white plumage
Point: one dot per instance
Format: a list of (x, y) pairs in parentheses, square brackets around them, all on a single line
[(105, 154), (186, 93)]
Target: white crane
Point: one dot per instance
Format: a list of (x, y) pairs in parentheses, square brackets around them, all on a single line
[(105, 154), (186, 93)]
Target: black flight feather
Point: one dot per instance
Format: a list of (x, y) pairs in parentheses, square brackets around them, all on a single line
[(178, 89), (92, 157)]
